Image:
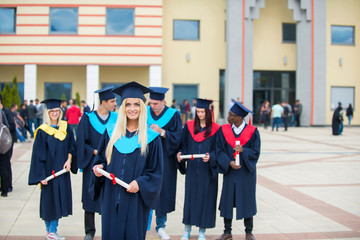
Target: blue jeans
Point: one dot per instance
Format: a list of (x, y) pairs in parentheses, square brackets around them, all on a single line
[(20, 137), (350, 117), (51, 226), (276, 121), (160, 222), (341, 127), (31, 121)]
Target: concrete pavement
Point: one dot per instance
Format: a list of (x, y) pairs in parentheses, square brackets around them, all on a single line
[(308, 188)]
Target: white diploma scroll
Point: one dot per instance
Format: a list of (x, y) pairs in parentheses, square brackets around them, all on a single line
[(56, 174), (192, 156), (237, 155), (118, 181)]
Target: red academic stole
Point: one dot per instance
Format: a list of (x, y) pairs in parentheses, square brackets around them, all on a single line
[(244, 137), (199, 137)]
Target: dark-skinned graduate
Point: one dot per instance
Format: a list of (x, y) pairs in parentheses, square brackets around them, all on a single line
[(131, 152), (91, 127), (167, 122), (239, 182), (53, 150), (201, 183)]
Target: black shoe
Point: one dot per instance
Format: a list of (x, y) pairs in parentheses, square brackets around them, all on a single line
[(10, 189), (4, 194)]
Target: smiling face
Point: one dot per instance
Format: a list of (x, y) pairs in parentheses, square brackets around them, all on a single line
[(54, 114), (132, 108), (200, 112)]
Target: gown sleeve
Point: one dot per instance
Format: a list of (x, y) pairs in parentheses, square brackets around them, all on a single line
[(212, 161), (72, 150), (97, 182), (150, 181), (83, 149), (184, 148), (222, 158), (251, 152), (38, 159)]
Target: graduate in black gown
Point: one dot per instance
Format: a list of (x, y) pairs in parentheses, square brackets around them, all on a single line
[(53, 150), (239, 184), (167, 122), (336, 120), (132, 152), (201, 184), (91, 127)]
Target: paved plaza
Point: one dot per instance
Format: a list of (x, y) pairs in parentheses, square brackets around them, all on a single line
[(308, 187)]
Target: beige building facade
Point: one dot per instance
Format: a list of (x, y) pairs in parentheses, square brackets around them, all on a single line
[(204, 48)]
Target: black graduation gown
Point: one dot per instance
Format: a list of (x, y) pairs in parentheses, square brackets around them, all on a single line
[(239, 186), (51, 154), (336, 121), (170, 144), (201, 183), (86, 141), (125, 215)]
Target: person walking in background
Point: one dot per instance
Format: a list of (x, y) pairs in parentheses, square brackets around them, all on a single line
[(132, 152), (297, 113), (24, 115), (19, 122), (39, 113), (349, 114), (239, 180), (188, 109), (73, 115), (277, 111), (265, 111), (53, 150), (285, 115), (201, 184), (193, 109), (174, 104), (85, 107), (32, 117), (165, 121), (336, 119), (91, 127), (341, 124), (63, 108), (183, 112)]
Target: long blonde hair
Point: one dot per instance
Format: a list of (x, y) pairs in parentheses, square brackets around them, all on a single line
[(120, 129), (47, 119)]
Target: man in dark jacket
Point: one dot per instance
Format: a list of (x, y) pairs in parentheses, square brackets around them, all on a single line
[(31, 117), (5, 164)]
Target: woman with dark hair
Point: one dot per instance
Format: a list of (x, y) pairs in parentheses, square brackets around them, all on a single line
[(201, 183)]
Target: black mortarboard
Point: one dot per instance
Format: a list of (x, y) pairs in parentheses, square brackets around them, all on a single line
[(203, 103), (158, 93), (105, 94), (52, 103), (240, 109), (132, 90)]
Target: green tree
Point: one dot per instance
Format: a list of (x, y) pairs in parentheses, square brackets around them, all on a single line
[(15, 92), (63, 97), (7, 98), (77, 98)]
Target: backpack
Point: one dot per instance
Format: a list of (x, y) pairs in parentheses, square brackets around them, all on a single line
[(5, 136)]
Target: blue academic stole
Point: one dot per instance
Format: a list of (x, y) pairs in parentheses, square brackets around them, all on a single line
[(165, 118), (97, 125), (127, 145)]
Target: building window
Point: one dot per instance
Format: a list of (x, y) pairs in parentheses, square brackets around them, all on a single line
[(342, 35), (7, 20), (57, 90), (289, 32), (345, 95), (20, 86), (63, 20), (186, 30), (120, 21)]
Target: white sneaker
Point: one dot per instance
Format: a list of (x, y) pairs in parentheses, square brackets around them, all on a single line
[(185, 236), (59, 237), (162, 234), (54, 236)]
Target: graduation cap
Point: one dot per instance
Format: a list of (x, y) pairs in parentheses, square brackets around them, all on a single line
[(105, 94), (131, 90), (240, 109), (52, 103), (203, 103), (158, 93)]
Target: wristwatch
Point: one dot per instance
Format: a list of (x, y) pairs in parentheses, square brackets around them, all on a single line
[(162, 134)]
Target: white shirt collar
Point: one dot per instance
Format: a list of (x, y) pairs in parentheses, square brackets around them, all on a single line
[(239, 129)]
